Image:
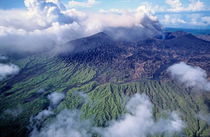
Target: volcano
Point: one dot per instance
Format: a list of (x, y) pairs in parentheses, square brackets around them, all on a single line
[(107, 70)]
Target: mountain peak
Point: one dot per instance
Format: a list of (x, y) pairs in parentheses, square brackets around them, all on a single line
[(100, 35)]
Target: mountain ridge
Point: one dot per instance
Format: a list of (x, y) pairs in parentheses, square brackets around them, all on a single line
[(107, 70), (137, 56)]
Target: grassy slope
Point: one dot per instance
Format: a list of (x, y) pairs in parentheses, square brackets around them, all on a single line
[(106, 100)]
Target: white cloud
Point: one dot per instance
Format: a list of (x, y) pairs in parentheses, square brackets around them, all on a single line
[(116, 11), (196, 5), (170, 19), (47, 11), (43, 114), (191, 76), (49, 27), (66, 124), (89, 3), (175, 5), (7, 70), (185, 20), (36, 121), (139, 121), (52, 26), (130, 25), (178, 6), (55, 98)]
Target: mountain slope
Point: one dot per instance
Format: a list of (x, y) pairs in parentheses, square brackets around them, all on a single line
[(108, 71)]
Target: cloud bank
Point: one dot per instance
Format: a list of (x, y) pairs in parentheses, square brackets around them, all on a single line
[(138, 122), (66, 124), (47, 25), (190, 76), (8, 70)]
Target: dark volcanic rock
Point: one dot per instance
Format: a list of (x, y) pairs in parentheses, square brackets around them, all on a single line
[(143, 59)]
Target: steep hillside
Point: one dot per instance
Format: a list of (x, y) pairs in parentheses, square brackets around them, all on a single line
[(108, 72)]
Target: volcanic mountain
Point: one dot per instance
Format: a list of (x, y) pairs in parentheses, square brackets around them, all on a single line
[(143, 59), (108, 70)]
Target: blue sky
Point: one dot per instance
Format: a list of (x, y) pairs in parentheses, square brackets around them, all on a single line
[(171, 13), (105, 4)]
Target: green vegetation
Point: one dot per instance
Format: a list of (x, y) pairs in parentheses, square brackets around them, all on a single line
[(42, 75)]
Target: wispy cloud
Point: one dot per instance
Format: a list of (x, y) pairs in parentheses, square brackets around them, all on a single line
[(178, 6), (35, 122), (66, 124), (190, 76), (55, 98), (138, 122), (89, 3), (8, 70)]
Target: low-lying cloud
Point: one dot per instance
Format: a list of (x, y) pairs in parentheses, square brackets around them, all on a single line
[(8, 70), (35, 122), (138, 122), (52, 26), (66, 124), (55, 98), (190, 76)]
